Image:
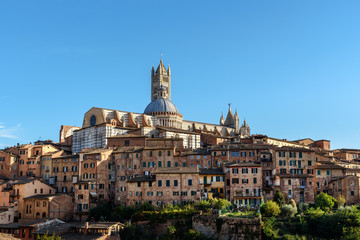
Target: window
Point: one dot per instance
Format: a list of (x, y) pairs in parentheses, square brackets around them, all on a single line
[(193, 193), (159, 153), (255, 180), (290, 193), (245, 180), (318, 172), (300, 154), (289, 181), (243, 154), (235, 170), (189, 182), (235, 181), (127, 142), (150, 153), (328, 172), (254, 170), (176, 183), (168, 183), (168, 164), (235, 154), (184, 193), (169, 153), (184, 164), (159, 183), (159, 164), (244, 170), (139, 184), (144, 164), (176, 193), (352, 193), (309, 163)]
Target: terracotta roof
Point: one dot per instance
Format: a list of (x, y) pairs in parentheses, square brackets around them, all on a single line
[(142, 179), (295, 176), (242, 164), (211, 171), (329, 166), (177, 170)]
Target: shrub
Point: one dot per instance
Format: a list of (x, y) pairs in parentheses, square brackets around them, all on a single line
[(288, 210), (269, 209), (303, 207), (220, 203), (46, 236), (279, 198), (325, 202), (268, 229), (340, 200)]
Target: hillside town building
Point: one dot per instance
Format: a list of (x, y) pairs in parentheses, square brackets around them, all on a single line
[(157, 157)]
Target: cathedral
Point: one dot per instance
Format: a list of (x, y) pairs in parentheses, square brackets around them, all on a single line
[(160, 119)]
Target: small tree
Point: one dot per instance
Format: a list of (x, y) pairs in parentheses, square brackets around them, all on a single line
[(288, 210), (324, 201), (279, 198), (269, 209), (293, 204), (341, 200)]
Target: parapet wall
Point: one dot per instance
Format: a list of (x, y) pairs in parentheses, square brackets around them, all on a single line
[(224, 228)]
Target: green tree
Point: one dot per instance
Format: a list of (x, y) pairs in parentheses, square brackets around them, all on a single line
[(341, 200), (288, 210), (324, 201), (279, 198), (293, 204), (270, 209)]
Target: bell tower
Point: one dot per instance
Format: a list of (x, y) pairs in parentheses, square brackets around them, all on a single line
[(160, 77)]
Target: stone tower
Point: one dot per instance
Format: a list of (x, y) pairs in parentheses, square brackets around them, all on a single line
[(160, 77), (245, 129)]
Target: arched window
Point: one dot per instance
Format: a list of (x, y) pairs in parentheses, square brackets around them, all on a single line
[(93, 120), (44, 215), (44, 204), (37, 215)]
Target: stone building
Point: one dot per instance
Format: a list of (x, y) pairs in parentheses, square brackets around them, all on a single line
[(169, 185), (212, 183), (294, 173), (65, 172), (8, 165), (46, 164), (325, 172), (244, 183), (161, 118), (48, 206), (20, 189), (347, 154), (347, 186), (29, 158)]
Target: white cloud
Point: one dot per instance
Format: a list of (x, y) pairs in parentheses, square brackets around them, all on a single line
[(9, 132)]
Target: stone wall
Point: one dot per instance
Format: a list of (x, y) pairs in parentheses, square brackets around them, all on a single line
[(224, 228)]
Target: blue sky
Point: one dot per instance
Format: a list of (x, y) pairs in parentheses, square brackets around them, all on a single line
[(291, 68)]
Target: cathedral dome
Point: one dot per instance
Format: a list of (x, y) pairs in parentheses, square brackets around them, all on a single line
[(161, 105)]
